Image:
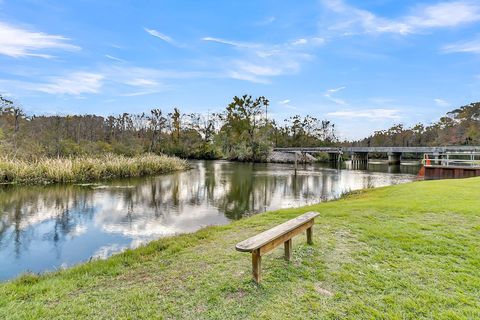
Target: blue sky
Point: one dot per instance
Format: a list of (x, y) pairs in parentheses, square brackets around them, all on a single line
[(365, 65)]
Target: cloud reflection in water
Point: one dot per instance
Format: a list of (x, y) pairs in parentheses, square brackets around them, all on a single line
[(43, 228)]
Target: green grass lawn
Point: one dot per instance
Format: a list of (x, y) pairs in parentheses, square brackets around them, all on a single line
[(410, 251)]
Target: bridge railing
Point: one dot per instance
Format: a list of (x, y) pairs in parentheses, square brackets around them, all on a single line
[(417, 150), (453, 159)]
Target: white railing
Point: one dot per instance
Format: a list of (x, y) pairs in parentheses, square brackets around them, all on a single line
[(452, 159)]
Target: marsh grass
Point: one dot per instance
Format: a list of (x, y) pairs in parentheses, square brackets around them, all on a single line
[(83, 169)]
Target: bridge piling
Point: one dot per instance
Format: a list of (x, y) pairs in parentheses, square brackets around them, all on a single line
[(296, 162), (334, 157), (394, 157), (359, 158)]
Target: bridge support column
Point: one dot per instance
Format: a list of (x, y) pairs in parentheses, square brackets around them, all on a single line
[(359, 158), (394, 157), (334, 157)]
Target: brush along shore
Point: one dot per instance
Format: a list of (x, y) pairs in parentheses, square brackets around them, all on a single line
[(84, 169)]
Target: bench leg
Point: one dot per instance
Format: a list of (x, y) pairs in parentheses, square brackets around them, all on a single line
[(288, 249), (310, 235), (257, 266)]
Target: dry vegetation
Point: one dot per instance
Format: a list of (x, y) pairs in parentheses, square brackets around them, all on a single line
[(81, 169)]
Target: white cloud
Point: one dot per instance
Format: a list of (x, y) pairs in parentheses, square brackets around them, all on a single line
[(258, 62), (239, 75), (114, 58), (259, 70), (140, 93), (230, 43), (266, 53), (266, 21), (147, 77), (144, 81), (140, 82), (382, 100), (118, 79), (472, 46), (148, 86), (285, 104), (445, 14), (74, 84), (299, 42), (315, 41), (440, 15), (270, 20), (160, 35), (336, 89), (441, 102), (17, 42), (328, 94), (372, 114)]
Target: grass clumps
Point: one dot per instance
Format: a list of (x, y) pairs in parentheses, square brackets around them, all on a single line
[(83, 169)]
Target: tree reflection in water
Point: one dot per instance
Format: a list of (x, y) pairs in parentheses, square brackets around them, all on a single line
[(44, 227)]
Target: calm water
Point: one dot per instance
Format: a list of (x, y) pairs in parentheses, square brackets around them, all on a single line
[(46, 228)]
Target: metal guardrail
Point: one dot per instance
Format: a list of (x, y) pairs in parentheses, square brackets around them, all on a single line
[(310, 149), (418, 150), (453, 159)]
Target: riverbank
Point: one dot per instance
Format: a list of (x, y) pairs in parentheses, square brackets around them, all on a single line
[(406, 251), (86, 169)]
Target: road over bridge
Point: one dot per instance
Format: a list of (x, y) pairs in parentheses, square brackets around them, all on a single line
[(360, 154)]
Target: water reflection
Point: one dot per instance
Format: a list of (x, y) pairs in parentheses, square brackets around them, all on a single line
[(43, 228)]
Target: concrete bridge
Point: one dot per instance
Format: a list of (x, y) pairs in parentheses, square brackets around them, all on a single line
[(359, 155)]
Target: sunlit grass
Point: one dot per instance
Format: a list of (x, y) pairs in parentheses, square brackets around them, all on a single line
[(402, 252), (81, 169)]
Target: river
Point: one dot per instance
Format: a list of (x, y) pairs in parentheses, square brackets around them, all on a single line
[(44, 228)]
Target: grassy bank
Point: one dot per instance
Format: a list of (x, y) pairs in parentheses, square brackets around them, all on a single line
[(82, 169), (404, 252)]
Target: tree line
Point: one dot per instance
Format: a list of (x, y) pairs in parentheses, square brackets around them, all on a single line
[(460, 126), (242, 131)]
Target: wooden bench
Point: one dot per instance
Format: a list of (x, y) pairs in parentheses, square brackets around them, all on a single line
[(268, 240)]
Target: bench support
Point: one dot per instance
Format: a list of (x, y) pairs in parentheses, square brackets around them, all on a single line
[(257, 266), (268, 240), (288, 250), (310, 235)]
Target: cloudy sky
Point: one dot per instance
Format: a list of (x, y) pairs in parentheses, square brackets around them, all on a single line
[(363, 64)]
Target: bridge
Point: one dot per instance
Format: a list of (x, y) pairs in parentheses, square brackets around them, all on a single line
[(360, 155)]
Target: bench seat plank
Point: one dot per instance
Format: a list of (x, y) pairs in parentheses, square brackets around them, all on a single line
[(265, 237)]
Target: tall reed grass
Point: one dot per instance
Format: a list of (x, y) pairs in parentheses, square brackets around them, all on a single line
[(83, 169)]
